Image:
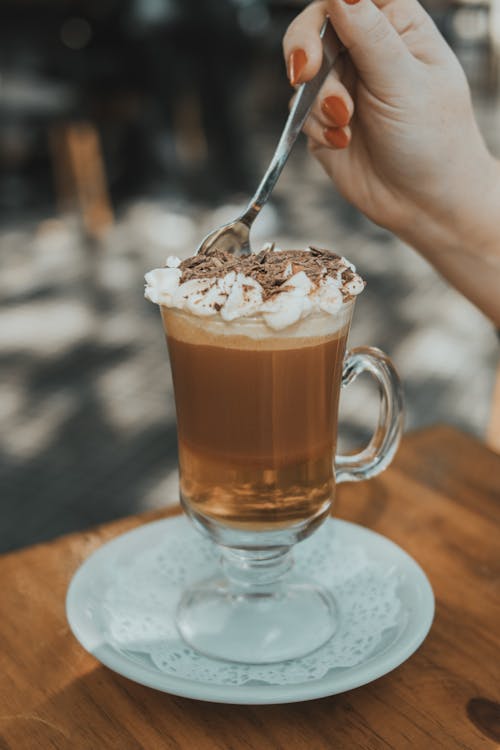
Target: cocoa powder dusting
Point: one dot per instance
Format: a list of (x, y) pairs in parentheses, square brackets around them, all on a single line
[(269, 267)]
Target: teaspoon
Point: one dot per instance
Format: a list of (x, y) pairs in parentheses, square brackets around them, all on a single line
[(234, 237)]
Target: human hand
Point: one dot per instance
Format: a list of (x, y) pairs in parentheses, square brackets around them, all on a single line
[(393, 126)]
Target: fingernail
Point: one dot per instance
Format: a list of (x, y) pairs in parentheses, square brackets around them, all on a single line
[(351, 2), (336, 110), (336, 137), (296, 65)]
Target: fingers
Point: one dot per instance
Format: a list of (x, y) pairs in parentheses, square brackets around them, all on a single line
[(380, 56), (331, 114), (334, 105), (302, 44), (384, 37), (330, 137), (404, 15)]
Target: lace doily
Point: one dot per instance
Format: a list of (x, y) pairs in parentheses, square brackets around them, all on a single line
[(141, 594)]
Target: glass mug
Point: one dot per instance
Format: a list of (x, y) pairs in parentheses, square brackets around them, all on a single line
[(257, 428)]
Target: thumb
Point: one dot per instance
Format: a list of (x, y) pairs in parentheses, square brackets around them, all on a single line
[(378, 53)]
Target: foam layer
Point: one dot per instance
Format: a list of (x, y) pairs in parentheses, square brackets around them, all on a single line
[(254, 333), (279, 287)]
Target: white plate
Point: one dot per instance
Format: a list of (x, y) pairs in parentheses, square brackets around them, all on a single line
[(86, 607)]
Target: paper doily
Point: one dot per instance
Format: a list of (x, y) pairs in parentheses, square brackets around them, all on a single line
[(137, 610)]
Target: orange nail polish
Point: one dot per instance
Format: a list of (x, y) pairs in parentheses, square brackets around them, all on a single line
[(296, 65), (336, 137), (336, 110), (351, 2)]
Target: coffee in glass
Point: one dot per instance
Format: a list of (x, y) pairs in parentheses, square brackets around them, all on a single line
[(256, 418), (257, 350)]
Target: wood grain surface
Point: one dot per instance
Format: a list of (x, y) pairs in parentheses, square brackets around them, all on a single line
[(440, 501)]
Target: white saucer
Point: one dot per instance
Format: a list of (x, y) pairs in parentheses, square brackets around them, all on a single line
[(134, 580)]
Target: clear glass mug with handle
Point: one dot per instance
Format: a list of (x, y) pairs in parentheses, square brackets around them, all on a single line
[(257, 427)]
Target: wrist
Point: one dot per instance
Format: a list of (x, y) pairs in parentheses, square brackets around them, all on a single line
[(464, 219), (463, 241)]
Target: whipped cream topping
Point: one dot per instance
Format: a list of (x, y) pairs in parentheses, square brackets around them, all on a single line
[(282, 286)]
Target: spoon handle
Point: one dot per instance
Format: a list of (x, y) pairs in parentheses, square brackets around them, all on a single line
[(306, 94)]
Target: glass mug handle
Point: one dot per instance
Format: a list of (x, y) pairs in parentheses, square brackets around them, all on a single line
[(380, 451)]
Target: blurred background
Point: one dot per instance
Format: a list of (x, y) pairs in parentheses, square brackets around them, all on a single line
[(128, 129)]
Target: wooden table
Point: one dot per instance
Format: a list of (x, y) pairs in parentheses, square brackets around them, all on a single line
[(440, 501)]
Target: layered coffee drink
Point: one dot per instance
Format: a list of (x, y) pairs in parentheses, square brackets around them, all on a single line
[(257, 347)]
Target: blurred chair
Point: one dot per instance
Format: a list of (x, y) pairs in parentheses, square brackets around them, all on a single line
[(29, 107), (47, 113), (29, 103), (80, 175)]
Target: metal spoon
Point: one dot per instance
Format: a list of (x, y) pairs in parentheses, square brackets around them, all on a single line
[(234, 237)]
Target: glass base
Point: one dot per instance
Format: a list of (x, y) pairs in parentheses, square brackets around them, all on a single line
[(258, 624)]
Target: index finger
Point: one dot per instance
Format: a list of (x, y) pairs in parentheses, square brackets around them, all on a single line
[(302, 45)]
